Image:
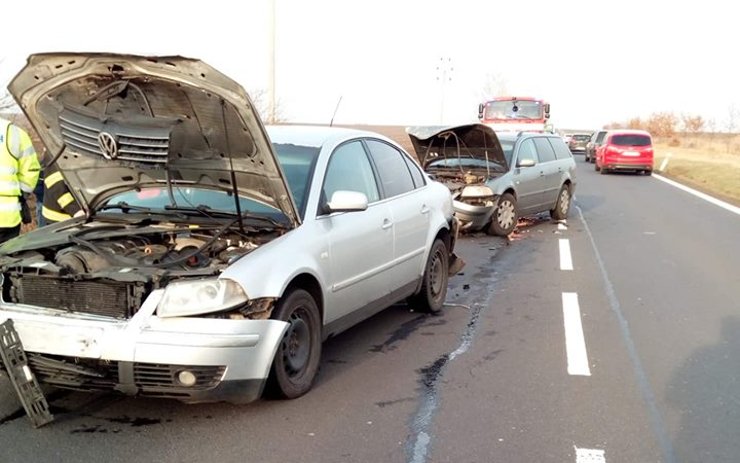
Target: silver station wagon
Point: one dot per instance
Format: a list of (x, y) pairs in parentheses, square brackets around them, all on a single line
[(497, 178), (212, 260)]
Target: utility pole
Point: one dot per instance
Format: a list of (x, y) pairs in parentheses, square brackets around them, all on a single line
[(444, 75), (271, 51)]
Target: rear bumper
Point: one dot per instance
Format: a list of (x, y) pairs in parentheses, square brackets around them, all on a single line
[(144, 355)]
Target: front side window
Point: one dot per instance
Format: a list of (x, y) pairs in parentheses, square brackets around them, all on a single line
[(392, 169), (527, 151), (349, 169)]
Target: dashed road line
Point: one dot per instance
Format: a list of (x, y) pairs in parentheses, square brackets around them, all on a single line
[(566, 261), (575, 342), (590, 456)]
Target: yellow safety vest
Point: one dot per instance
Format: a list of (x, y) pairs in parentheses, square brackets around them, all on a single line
[(19, 171)]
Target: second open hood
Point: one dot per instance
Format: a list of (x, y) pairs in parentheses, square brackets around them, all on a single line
[(469, 140), (117, 122)]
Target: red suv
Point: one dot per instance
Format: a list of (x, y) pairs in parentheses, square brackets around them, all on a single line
[(625, 150)]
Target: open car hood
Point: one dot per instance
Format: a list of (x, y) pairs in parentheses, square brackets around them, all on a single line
[(118, 122), (476, 141)]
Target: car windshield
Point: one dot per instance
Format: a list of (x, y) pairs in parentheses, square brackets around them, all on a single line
[(298, 164), (631, 140), (513, 110), (466, 163), (157, 199), (582, 137)]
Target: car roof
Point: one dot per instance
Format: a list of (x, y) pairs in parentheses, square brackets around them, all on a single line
[(315, 135), (510, 136), (628, 132)]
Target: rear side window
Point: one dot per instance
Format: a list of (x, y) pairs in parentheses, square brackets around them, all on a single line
[(415, 172), (630, 140), (544, 149), (394, 174), (561, 151)]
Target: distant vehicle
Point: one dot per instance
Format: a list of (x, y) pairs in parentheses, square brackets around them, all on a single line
[(511, 113), (596, 139), (496, 178), (625, 150), (578, 142)]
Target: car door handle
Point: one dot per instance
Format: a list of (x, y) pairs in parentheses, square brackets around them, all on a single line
[(386, 224), (542, 173), (424, 209)]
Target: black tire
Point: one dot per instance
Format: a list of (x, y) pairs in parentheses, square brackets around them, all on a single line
[(648, 172), (604, 171), (596, 166), (504, 217), (297, 358), (431, 297), (586, 157), (562, 205)]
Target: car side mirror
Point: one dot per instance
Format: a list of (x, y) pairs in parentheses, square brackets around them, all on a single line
[(346, 201), (526, 163)]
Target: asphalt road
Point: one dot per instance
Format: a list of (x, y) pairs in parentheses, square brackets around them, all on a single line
[(655, 283)]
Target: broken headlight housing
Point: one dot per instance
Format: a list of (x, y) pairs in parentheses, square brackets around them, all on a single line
[(184, 298)]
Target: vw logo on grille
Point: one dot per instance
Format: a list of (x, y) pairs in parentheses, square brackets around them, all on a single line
[(108, 145)]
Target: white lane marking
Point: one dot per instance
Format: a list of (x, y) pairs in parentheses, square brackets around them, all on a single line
[(562, 226), (590, 455), (664, 164), (566, 261), (699, 194), (575, 343)]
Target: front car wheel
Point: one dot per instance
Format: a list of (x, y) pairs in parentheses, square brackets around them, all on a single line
[(297, 358)]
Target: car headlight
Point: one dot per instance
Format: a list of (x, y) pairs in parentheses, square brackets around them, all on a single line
[(183, 298)]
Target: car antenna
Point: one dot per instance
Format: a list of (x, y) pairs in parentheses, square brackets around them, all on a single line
[(231, 167), (331, 123)]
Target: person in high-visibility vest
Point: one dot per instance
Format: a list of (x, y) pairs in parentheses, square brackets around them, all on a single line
[(59, 204), (19, 172)]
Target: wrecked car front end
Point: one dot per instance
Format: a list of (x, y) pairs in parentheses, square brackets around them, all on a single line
[(172, 167), (139, 310), (467, 159)]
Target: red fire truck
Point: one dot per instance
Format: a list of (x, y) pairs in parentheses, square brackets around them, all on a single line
[(516, 113)]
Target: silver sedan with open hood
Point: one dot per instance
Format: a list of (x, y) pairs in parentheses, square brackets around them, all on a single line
[(210, 260)]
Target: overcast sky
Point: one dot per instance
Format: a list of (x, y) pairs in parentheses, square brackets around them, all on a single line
[(594, 61)]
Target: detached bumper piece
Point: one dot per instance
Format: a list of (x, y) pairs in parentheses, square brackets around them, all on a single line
[(21, 376)]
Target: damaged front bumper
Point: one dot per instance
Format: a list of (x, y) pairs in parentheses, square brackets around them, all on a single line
[(473, 216), (188, 359)]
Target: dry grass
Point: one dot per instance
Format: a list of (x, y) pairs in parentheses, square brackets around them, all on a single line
[(708, 163)]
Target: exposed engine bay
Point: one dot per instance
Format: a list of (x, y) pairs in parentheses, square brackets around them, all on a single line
[(109, 269)]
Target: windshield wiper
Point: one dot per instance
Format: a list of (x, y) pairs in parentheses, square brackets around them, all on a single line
[(210, 212), (125, 207)]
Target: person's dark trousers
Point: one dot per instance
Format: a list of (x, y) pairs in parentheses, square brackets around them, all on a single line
[(8, 233)]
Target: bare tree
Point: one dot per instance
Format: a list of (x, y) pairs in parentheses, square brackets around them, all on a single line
[(662, 124), (494, 84), (731, 124), (6, 99), (262, 104)]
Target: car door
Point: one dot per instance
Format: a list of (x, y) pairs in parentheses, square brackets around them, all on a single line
[(360, 242), (402, 187), (550, 169), (529, 182)]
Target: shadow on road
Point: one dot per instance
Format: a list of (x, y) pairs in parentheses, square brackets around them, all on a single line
[(705, 390)]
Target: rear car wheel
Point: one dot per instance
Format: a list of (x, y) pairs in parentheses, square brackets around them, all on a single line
[(562, 205), (433, 291), (297, 358), (504, 217), (604, 171)]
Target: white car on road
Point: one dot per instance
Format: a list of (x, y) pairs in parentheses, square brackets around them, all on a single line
[(212, 260)]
